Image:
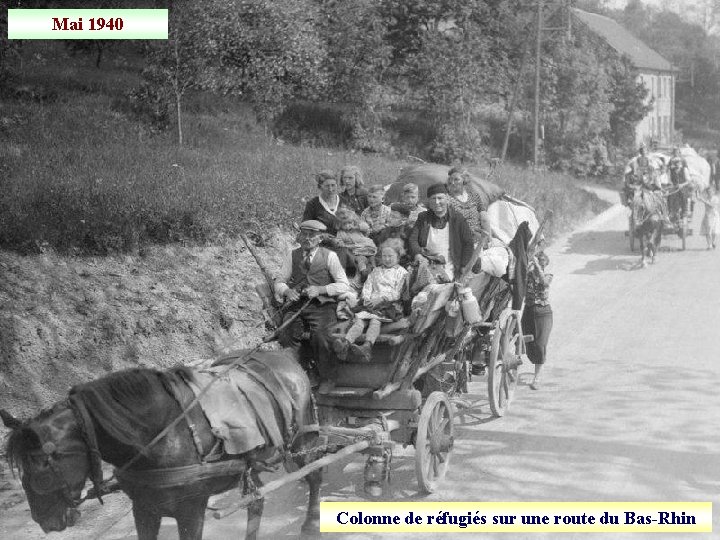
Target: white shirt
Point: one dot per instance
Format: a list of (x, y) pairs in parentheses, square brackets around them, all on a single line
[(341, 284), (326, 207), (438, 242)]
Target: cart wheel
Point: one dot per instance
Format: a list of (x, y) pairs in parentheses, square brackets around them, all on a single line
[(631, 235), (434, 441), (507, 346), (683, 231)]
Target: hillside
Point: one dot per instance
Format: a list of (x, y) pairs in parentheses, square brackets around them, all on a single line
[(67, 320)]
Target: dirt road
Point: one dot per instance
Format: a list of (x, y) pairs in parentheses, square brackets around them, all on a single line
[(628, 409)]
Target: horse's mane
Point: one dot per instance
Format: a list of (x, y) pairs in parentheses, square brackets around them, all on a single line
[(120, 403), (116, 402)]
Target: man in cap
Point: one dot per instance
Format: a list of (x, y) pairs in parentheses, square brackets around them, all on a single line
[(679, 176), (441, 234), (639, 173), (314, 272)]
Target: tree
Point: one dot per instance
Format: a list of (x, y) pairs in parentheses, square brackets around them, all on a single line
[(356, 62), (627, 96), (177, 65), (267, 51), (455, 62), (575, 99)]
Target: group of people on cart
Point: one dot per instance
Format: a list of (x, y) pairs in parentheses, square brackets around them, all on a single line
[(362, 260), (672, 185)]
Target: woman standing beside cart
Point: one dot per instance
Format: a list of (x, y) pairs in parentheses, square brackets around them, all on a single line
[(538, 317)]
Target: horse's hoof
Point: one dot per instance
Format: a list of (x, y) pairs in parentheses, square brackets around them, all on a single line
[(643, 264)]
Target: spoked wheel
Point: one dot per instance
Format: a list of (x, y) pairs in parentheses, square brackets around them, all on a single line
[(434, 441), (507, 348)]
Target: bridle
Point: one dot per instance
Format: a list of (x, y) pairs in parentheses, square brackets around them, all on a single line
[(51, 453)]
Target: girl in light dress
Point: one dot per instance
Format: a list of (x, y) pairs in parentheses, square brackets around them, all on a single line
[(380, 301), (711, 221)]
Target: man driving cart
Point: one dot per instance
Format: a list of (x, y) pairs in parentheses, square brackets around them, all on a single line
[(311, 272), (639, 172)]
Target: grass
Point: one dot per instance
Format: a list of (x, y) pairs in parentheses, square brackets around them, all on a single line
[(79, 175)]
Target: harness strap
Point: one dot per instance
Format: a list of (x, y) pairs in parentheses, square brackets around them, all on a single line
[(77, 405), (181, 476)]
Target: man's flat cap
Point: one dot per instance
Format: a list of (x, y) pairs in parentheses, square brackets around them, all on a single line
[(313, 225)]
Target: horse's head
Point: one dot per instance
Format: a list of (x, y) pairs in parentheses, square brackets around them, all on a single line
[(52, 459)]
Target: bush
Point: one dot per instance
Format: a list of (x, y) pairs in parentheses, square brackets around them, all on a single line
[(459, 143)]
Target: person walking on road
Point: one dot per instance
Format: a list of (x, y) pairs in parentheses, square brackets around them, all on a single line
[(538, 317), (711, 220)]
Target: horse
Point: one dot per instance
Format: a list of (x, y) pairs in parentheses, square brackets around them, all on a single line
[(114, 418), (648, 215)]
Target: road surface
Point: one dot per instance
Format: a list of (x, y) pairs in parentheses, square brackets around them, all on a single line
[(628, 409)]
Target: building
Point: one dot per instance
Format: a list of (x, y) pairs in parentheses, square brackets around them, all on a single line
[(657, 74)]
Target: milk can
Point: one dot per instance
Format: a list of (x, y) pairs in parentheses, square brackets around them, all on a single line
[(470, 307)]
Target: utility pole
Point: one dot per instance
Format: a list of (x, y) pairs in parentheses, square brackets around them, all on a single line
[(538, 45)]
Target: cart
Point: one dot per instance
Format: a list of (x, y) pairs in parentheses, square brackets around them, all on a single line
[(420, 367), (680, 215)]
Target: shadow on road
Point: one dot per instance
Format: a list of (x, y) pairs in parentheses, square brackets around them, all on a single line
[(599, 243)]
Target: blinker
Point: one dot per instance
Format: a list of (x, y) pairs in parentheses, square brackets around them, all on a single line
[(49, 448)]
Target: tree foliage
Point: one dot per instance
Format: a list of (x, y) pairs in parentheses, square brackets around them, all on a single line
[(268, 51), (365, 63), (356, 63)]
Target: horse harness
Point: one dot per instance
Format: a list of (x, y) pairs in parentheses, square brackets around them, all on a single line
[(53, 455), (158, 478)]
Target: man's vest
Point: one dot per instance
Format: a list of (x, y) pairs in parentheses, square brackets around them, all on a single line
[(317, 274)]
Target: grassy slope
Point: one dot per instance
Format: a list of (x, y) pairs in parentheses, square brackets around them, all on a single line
[(77, 172)]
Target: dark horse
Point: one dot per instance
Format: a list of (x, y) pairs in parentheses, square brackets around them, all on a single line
[(648, 213), (57, 451)]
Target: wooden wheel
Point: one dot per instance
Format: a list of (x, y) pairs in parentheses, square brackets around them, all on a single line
[(434, 441), (507, 348)]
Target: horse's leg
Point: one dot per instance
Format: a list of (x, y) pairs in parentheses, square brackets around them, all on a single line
[(658, 237), (312, 518), (255, 510), (311, 526), (147, 522), (190, 517), (641, 237)]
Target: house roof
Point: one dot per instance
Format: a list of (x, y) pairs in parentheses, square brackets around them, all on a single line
[(642, 56)]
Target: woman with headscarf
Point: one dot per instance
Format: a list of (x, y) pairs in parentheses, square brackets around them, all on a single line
[(324, 207)]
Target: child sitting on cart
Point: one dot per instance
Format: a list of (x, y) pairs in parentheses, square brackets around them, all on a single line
[(353, 236), (380, 302)]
